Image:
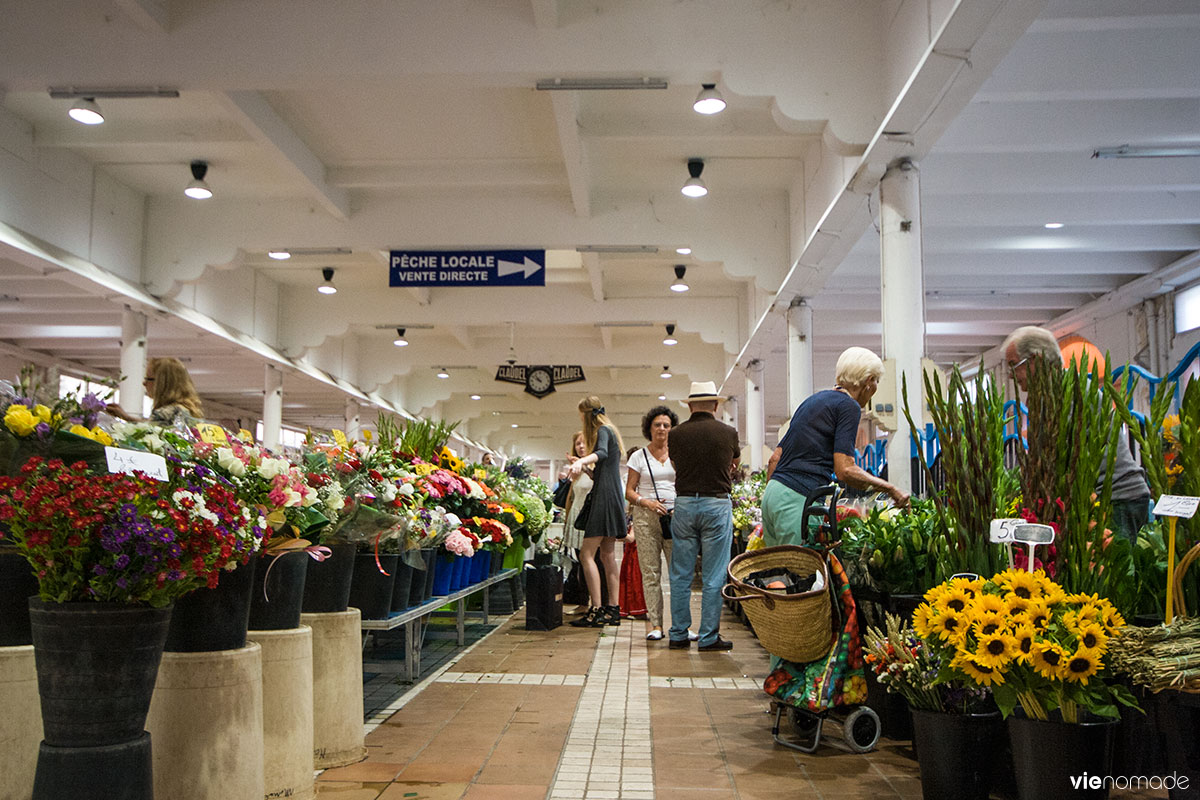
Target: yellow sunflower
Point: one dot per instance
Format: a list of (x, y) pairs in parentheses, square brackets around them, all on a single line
[(1024, 585), (981, 674), (1048, 659), (922, 617), (956, 599), (935, 595), (995, 650), (1112, 621), (1016, 606), (950, 626), (1091, 636), (988, 623), (1081, 665), (1090, 612), (990, 603), (972, 586), (1037, 614), (1053, 594), (1023, 638)]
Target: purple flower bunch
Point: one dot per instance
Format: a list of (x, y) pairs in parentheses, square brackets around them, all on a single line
[(139, 558)]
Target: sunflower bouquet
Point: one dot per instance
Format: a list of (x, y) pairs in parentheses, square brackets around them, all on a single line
[(1021, 635)]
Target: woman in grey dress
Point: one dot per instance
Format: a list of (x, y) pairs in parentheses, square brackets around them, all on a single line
[(606, 516)]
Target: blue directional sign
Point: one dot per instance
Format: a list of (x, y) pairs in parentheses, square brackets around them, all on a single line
[(467, 268)]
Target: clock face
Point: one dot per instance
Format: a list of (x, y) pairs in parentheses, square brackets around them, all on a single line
[(540, 381)]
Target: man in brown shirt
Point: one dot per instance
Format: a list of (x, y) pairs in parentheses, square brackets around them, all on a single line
[(705, 452)]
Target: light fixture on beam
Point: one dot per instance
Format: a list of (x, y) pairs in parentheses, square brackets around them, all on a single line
[(1150, 151), (279, 255), (683, 251), (400, 341), (694, 187), (327, 287), (592, 84), (670, 340), (680, 285), (197, 189), (476, 397), (709, 101), (443, 374), (85, 111), (666, 373)]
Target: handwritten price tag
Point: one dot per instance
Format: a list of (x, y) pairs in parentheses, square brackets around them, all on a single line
[(212, 434), (1003, 530), (131, 461), (1176, 505)]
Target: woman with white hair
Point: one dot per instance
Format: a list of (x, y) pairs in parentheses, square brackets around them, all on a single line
[(819, 444)]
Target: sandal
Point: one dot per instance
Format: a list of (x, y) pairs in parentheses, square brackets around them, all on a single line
[(655, 635), (594, 618)]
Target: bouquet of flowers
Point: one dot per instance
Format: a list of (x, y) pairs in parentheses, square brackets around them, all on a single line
[(906, 665), (39, 422), (895, 548), (1032, 643), (747, 503), (493, 534), (98, 537)]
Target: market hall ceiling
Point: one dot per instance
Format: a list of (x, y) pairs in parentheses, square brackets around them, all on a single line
[(349, 129)]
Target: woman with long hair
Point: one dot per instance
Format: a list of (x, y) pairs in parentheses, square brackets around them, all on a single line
[(605, 522), (171, 391)]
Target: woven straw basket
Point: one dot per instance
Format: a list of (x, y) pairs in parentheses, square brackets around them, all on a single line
[(795, 627)]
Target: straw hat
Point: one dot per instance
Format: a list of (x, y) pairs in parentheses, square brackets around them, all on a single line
[(702, 391)]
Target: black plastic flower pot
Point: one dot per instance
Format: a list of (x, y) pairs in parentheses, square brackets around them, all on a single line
[(96, 666), (402, 588), (207, 620), (956, 753), (17, 585), (327, 583), (371, 589), (421, 579), (278, 592), (1058, 760)]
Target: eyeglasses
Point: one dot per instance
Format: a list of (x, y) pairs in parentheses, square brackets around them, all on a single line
[(1014, 367)]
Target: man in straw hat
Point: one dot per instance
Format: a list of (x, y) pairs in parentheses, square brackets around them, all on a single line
[(705, 452)]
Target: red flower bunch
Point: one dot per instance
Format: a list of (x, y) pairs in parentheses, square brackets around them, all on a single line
[(94, 537)]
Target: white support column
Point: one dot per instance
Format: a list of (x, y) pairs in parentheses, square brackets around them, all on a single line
[(353, 423), (755, 431), (903, 290), (133, 361), (799, 353), (272, 407)]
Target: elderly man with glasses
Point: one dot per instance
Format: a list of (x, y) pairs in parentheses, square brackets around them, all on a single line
[(1130, 492)]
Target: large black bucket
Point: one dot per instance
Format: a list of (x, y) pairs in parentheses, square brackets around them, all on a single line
[(206, 620), (371, 590), (402, 586), (17, 585), (327, 583), (1051, 757), (956, 753), (96, 667), (278, 591)]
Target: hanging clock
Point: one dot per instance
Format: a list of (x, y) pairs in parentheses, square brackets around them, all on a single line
[(539, 381)]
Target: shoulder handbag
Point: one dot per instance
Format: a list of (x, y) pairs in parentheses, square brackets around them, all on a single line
[(585, 511), (561, 492), (664, 521)]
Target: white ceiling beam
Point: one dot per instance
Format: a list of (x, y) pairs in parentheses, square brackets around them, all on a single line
[(463, 335), (532, 173), (287, 149), (606, 338), (149, 15), (591, 264), (566, 119)]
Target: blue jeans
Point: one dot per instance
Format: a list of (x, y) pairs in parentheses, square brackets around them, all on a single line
[(704, 526)]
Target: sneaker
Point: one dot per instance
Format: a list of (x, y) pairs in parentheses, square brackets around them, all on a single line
[(654, 636), (679, 644), (717, 646)]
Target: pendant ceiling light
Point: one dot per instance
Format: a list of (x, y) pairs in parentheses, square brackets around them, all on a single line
[(443, 374), (666, 373), (694, 187), (709, 101), (680, 285), (400, 341), (327, 287), (279, 255), (85, 111), (197, 189), (670, 340)]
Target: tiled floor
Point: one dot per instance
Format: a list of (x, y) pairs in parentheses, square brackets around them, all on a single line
[(576, 714)]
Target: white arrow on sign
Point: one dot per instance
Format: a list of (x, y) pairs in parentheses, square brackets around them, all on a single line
[(511, 267)]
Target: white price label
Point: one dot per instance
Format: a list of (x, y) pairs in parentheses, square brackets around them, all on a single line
[(131, 461), (1001, 530), (1176, 505)]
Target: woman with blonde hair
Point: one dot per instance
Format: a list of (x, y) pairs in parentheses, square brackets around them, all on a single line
[(819, 443), (172, 392), (605, 521)]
